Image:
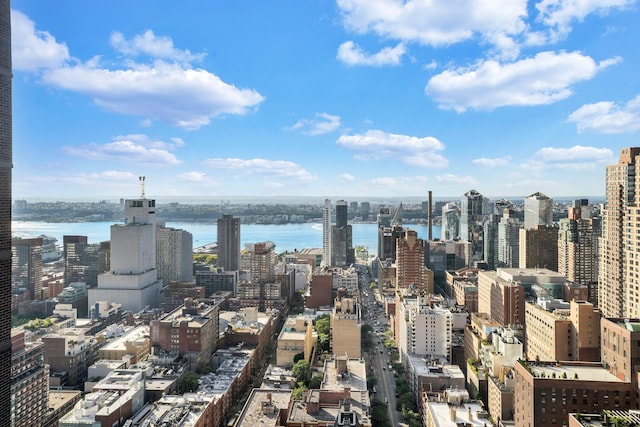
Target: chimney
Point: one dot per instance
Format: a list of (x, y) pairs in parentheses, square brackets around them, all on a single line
[(430, 218)]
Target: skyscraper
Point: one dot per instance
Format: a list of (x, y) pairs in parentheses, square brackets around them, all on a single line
[(27, 266), (342, 252), (326, 232), (472, 208), (509, 241), (82, 261), (577, 248), (538, 210), (618, 286), (538, 247), (133, 279), (6, 160), (174, 254), (450, 222), (229, 243), (410, 267)]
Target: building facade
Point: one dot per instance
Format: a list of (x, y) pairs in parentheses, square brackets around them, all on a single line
[(538, 210), (472, 209), (133, 278), (174, 254), (229, 243), (618, 286)]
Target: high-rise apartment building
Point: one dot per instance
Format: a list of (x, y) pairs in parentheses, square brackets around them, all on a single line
[(578, 248), (450, 222), (472, 209), (508, 241), (259, 260), (174, 254), (538, 247), (26, 265), (342, 252), (491, 232), (6, 163), (326, 232), (229, 243), (423, 330), (83, 261), (618, 286), (29, 383), (410, 267), (538, 210), (133, 280)]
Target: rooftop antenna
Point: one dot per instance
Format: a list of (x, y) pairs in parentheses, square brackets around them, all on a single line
[(141, 179)]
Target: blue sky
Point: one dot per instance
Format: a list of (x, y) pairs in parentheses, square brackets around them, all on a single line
[(344, 98)]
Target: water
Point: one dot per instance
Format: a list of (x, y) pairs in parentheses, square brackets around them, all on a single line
[(287, 237)]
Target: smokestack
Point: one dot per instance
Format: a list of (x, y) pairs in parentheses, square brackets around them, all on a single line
[(430, 218)]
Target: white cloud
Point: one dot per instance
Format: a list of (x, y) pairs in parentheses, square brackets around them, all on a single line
[(149, 44), (412, 150), (559, 14), (136, 148), (435, 22), (351, 54), (577, 157), (543, 79), (346, 177), (166, 89), (449, 178), (492, 163), (321, 123), (33, 49), (281, 168), (181, 96), (607, 117)]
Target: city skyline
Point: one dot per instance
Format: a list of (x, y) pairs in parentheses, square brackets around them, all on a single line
[(352, 98)]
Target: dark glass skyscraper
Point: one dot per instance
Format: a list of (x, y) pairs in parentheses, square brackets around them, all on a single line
[(229, 243), (5, 212)]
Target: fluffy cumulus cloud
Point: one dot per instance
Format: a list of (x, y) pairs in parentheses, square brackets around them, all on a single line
[(346, 177), (321, 123), (543, 79), (351, 54), (33, 49), (435, 22), (165, 88), (578, 157), (492, 163), (263, 167), (412, 150), (169, 92), (138, 149), (607, 117), (151, 45), (558, 15)]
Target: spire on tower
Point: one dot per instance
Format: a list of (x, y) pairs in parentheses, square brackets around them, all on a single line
[(141, 179)]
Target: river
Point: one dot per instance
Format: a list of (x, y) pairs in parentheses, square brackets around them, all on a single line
[(287, 237)]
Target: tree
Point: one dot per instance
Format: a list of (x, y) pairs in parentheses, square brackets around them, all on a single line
[(298, 357), (302, 371), (188, 382), (323, 327), (315, 382), (323, 324)]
